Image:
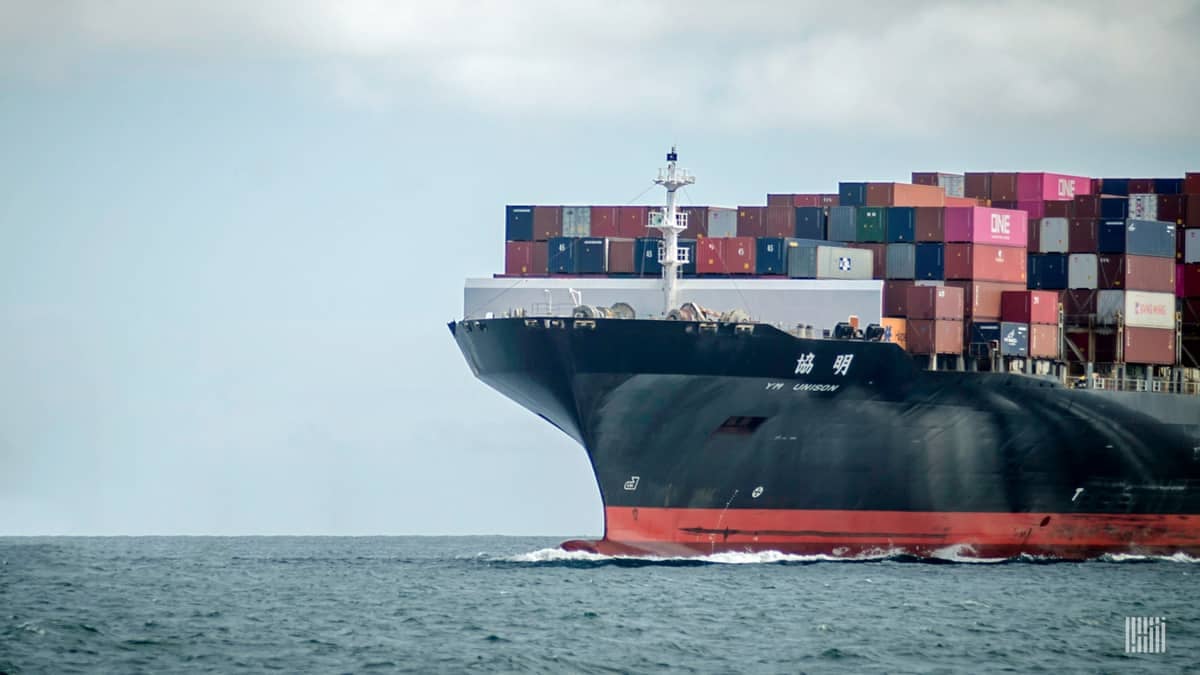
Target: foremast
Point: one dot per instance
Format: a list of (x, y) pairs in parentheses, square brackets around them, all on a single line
[(670, 255)]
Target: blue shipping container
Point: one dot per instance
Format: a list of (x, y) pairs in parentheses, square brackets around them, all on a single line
[(901, 224), (842, 225), (931, 261), (852, 194), (810, 222), (1168, 186), (1114, 207), (1114, 186), (1110, 236), (1150, 237), (984, 332), (689, 270), (518, 223), (561, 255), (770, 255), (1047, 271), (592, 255), (645, 257)]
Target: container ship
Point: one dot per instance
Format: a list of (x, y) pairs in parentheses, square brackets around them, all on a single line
[(984, 364)]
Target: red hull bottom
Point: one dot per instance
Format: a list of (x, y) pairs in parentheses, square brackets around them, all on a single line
[(849, 534)]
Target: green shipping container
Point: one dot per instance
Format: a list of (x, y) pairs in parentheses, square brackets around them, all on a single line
[(871, 224)]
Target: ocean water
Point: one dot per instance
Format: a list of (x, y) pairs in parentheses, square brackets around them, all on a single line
[(502, 604)]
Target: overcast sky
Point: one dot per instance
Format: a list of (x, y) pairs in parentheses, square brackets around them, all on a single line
[(231, 233)]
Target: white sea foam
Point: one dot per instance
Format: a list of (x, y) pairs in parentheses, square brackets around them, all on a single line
[(724, 558), (963, 553), (1131, 557)]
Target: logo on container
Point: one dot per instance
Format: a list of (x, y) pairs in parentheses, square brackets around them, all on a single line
[(1149, 309), (1000, 223), (844, 264), (1066, 188)]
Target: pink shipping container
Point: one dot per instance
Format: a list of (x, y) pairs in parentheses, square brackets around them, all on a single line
[(1032, 307), (986, 262), (983, 225), (1051, 186)]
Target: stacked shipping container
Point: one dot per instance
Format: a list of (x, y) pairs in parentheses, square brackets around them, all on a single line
[(1113, 251)]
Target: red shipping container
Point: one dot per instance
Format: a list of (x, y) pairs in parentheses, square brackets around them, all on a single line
[(1135, 273), (1172, 208), (878, 257), (1043, 341), (604, 221), (780, 221), (1191, 313), (1058, 209), (1191, 183), (1082, 236), (1000, 204), (1035, 209), (547, 222), (1030, 307), (781, 200), (926, 336), (815, 200), (710, 256), (1004, 187), (977, 185), (981, 299), (1149, 345), (633, 221), (518, 258), (620, 256), (924, 178), (984, 262), (1141, 186), (1078, 304), (935, 302), (904, 194), (739, 254), (1191, 212), (931, 223), (697, 222), (1190, 281), (895, 298), (1087, 206), (1105, 347), (751, 221)]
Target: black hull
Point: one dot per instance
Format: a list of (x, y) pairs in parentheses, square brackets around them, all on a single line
[(743, 425)]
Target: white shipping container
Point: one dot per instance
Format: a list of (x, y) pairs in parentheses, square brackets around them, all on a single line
[(1052, 238), (1143, 206), (1191, 246), (829, 262), (722, 222), (952, 183), (1138, 308), (577, 221), (1082, 270)]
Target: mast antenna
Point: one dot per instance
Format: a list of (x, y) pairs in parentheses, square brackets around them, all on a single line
[(671, 222)]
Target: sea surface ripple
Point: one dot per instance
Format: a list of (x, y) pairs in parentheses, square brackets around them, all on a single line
[(504, 604)]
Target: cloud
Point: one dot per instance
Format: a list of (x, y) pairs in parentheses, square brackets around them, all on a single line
[(923, 68)]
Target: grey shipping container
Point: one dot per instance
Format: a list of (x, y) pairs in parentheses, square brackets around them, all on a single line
[(1138, 309), (1191, 246), (1083, 270), (1052, 238), (842, 225), (722, 222), (829, 262), (1150, 237), (577, 221), (901, 261), (952, 183)]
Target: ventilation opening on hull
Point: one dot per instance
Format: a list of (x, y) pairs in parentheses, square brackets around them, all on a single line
[(740, 425)]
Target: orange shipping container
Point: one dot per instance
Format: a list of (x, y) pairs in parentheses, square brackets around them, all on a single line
[(1043, 341), (904, 194), (894, 331)]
